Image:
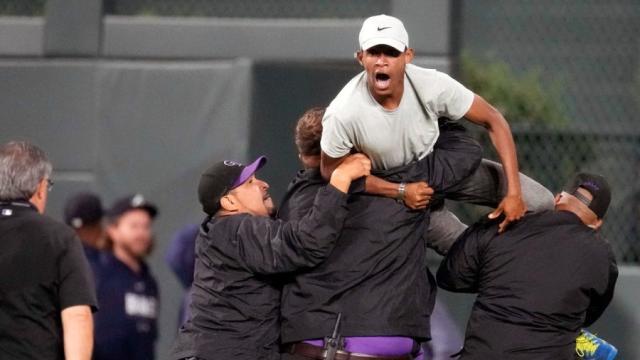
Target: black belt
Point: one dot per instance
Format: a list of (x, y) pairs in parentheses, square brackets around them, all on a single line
[(319, 353)]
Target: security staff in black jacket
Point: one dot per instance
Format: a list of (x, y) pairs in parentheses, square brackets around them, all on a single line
[(235, 303), (376, 276), (539, 282)]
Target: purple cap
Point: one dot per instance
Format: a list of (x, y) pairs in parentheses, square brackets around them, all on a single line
[(248, 171)]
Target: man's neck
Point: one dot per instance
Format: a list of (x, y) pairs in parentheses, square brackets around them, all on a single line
[(586, 218), (127, 258)]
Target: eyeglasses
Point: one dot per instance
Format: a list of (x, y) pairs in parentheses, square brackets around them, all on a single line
[(49, 184)]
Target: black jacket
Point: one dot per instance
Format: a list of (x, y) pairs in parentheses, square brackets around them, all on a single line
[(235, 300), (538, 284), (303, 189), (376, 275)]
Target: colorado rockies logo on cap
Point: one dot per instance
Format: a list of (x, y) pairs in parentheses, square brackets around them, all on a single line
[(232, 163)]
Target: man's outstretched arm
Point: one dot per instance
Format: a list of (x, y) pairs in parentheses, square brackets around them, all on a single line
[(482, 113), (268, 246)]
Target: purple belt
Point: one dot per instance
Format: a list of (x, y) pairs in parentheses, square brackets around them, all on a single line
[(376, 345)]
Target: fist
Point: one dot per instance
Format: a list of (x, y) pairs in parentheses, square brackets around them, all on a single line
[(417, 195), (355, 166)]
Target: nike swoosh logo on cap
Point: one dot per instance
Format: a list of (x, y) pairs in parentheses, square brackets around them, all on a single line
[(382, 28)]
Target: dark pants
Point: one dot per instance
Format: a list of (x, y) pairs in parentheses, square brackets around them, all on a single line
[(486, 186)]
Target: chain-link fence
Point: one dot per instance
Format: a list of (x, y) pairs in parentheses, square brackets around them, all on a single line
[(249, 8), (552, 158), (584, 54), (587, 54), (22, 7), (587, 49), (303, 9)]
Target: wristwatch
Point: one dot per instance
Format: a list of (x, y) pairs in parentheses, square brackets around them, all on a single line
[(401, 191)]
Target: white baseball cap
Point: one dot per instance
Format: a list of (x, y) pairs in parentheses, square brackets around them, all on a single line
[(383, 30)]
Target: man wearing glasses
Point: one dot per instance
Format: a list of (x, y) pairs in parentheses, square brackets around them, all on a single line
[(46, 293)]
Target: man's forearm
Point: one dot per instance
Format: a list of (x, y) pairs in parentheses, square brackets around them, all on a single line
[(482, 113), (77, 329), (377, 186), (502, 139)]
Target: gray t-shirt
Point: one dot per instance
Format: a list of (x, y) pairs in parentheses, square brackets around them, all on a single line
[(391, 138)]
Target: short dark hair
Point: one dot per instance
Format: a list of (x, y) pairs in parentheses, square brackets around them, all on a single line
[(309, 131)]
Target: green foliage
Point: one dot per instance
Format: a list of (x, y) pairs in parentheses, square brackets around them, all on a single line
[(22, 7), (521, 99)]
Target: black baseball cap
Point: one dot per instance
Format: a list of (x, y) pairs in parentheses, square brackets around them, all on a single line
[(222, 177), (597, 186), (131, 202), (83, 209)]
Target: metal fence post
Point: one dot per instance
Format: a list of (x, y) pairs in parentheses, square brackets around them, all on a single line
[(73, 28)]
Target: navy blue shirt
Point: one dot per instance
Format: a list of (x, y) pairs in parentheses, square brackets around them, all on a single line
[(181, 258), (93, 256), (181, 255), (126, 327)]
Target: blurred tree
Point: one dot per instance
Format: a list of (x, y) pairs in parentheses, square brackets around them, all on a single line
[(22, 7), (548, 150), (522, 99)]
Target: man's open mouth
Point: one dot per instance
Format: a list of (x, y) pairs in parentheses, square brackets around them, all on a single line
[(382, 81)]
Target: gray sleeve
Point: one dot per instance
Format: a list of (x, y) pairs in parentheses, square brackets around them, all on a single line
[(444, 229), (454, 99), (337, 137)]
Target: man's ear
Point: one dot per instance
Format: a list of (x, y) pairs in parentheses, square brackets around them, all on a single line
[(39, 197), (229, 203), (358, 55), (409, 54), (43, 186)]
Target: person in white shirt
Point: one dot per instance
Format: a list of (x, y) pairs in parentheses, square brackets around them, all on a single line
[(390, 112)]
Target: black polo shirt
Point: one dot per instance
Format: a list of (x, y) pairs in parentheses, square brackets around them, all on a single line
[(43, 270)]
